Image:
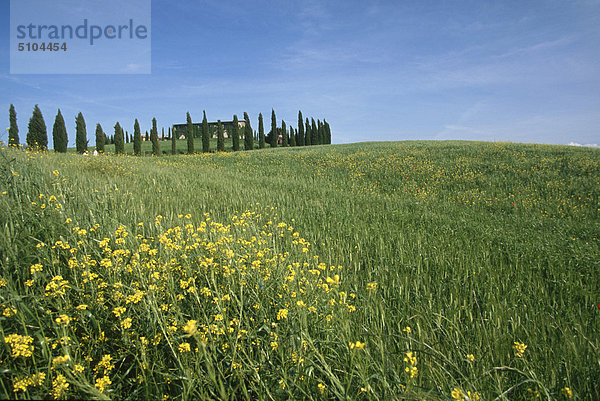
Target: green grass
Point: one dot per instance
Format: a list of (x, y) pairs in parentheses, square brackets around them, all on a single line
[(472, 246)]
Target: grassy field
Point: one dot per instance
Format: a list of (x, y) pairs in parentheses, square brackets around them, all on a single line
[(372, 271)]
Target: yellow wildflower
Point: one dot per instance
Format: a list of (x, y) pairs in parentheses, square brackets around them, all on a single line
[(63, 320), (102, 383), (105, 363), (118, 311), (36, 268), (282, 314), (59, 360), (59, 387), (20, 345), (190, 327), (9, 311), (126, 323), (457, 394), (357, 345), (519, 349)]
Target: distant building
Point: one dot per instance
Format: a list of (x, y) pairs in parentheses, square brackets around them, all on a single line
[(180, 129)]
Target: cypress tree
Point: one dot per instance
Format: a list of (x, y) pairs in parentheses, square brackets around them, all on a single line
[(37, 138), (284, 138), (81, 141), (327, 132), (235, 135), (162, 134), (300, 129), (137, 138), (189, 134), (220, 137), (292, 137), (307, 134), (59, 134), (205, 134), (313, 133), (320, 134), (13, 131), (248, 138), (274, 135), (173, 142), (100, 137), (154, 136), (119, 140), (261, 132)]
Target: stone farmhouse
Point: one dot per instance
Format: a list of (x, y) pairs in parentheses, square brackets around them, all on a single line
[(180, 129)]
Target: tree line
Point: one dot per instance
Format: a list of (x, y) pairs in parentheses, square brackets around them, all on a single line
[(308, 132)]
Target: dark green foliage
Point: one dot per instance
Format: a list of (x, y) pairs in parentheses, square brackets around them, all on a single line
[(189, 134), (119, 140), (154, 138), (235, 134), (13, 131), (59, 134), (137, 138), (81, 141), (205, 134), (100, 138), (284, 138), (248, 138), (320, 133), (173, 142), (37, 138), (307, 134), (273, 129), (327, 131), (300, 129), (314, 140), (261, 132), (220, 137), (292, 137)]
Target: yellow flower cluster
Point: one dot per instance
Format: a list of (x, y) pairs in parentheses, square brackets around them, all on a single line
[(20, 345), (59, 387), (411, 361), (459, 395), (37, 379), (519, 349), (356, 345), (102, 383)]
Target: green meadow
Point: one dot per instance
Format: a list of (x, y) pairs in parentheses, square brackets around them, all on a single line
[(371, 271)]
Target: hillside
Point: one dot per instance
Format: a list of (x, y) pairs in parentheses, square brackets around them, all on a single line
[(400, 270)]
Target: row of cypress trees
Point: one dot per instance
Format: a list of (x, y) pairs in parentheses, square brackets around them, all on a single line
[(37, 136), (313, 133), (316, 133)]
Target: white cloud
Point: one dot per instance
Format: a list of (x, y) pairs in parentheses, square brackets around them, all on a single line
[(587, 145)]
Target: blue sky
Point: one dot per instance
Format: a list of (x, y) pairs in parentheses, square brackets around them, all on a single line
[(520, 71)]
